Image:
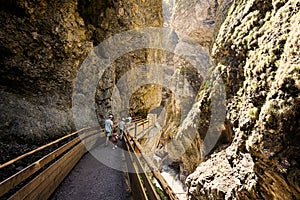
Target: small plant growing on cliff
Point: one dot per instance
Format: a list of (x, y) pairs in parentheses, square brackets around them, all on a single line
[(160, 192), (253, 113)]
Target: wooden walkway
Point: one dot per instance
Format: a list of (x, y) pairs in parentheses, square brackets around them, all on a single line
[(83, 168), (92, 180)]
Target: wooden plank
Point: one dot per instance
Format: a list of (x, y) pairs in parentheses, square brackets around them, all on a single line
[(151, 192), (43, 177), (17, 178), (141, 127), (90, 139), (135, 182), (148, 184), (46, 188), (53, 173), (42, 147), (135, 130), (137, 126), (89, 133), (136, 120), (164, 185), (157, 174), (31, 187), (90, 142), (137, 190)]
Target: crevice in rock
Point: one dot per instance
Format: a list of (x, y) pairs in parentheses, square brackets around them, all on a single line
[(12, 7)]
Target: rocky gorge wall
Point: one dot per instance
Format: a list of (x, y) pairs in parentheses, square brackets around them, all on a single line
[(254, 49), (256, 55), (42, 45), (118, 17), (195, 23)]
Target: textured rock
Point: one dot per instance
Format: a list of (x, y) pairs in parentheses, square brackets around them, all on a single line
[(42, 44), (118, 17), (256, 52), (195, 19), (195, 23), (145, 99)]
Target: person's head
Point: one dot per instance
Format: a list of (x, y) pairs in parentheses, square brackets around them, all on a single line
[(123, 119), (110, 116)]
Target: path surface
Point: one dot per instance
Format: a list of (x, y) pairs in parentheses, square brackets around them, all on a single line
[(91, 179)]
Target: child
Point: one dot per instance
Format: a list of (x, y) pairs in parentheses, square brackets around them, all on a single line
[(122, 128), (114, 139)]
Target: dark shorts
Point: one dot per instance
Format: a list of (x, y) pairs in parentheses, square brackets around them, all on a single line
[(108, 134)]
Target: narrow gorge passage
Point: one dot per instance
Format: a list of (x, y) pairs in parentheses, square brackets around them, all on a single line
[(220, 77)]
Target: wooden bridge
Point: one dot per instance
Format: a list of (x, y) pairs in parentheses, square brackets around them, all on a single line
[(41, 179)]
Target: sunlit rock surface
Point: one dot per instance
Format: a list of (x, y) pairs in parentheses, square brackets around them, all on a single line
[(196, 23), (244, 98), (256, 53)]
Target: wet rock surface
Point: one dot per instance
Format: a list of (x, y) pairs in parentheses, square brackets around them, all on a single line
[(195, 23)]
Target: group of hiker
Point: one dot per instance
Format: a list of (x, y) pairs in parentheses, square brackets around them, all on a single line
[(111, 131)]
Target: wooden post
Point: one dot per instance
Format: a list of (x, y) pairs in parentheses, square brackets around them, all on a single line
[(143, 126), (135, 129)]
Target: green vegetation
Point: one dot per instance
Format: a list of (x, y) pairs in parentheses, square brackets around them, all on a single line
[(160, 192), (253, 112)]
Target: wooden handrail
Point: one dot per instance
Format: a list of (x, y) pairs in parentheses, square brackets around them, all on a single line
[(17, 178), (151, 166), (43, 147), (135, 164), (68, 149), (44, 184), (51, 143), (156, 173), (57, 165)]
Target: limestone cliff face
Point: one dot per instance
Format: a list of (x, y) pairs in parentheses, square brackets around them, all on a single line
[(195, 19), (126, 71), (256, 55), (195, 23), (251, 96), (42, 45)]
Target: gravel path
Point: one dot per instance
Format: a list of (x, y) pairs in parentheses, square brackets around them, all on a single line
[(91, 179)]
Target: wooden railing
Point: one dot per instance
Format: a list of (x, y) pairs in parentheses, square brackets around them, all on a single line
[(40, 179), (141, 186), (145, 189)]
